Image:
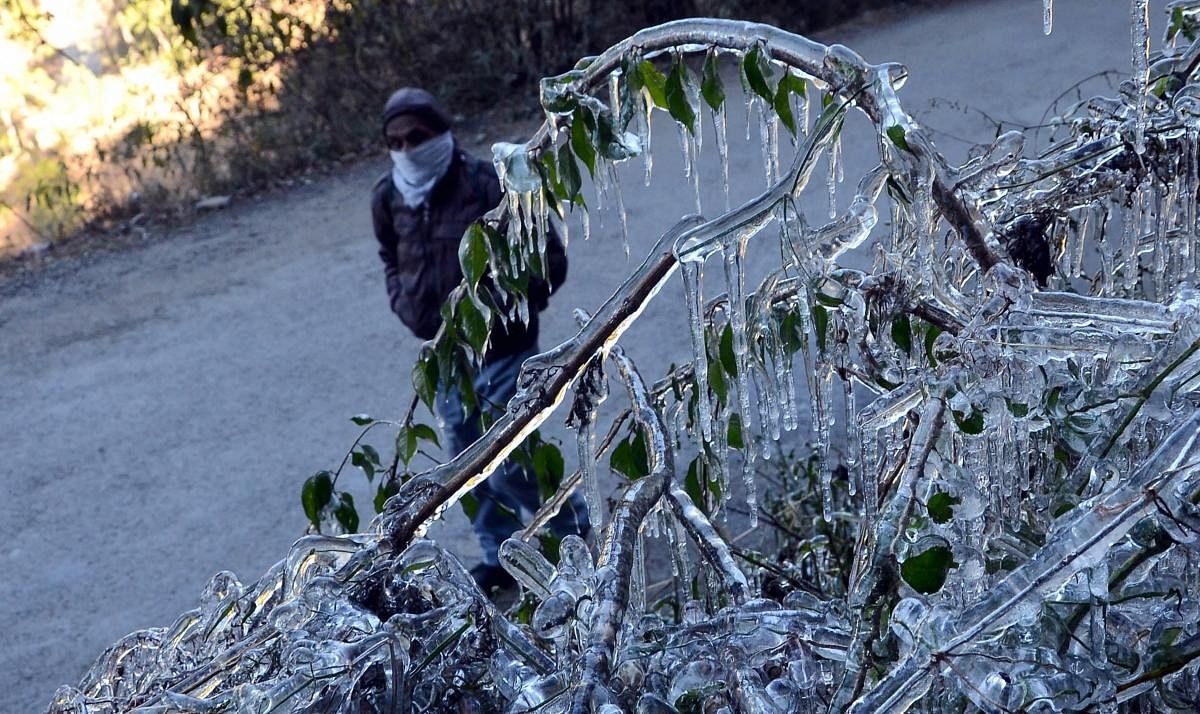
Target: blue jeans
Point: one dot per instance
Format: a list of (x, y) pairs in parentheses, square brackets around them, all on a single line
[(511, 488)]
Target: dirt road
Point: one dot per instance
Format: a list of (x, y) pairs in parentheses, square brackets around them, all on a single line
[(160, 407)]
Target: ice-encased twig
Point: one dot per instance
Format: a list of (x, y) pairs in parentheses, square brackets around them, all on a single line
[(613, 572), (880, 543), (1074, 544)]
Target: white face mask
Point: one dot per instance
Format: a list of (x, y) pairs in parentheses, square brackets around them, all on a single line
[(416, 171)]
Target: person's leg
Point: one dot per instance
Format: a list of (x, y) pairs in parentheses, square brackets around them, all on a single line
[(462, 430), (510, 488), (512, 485)]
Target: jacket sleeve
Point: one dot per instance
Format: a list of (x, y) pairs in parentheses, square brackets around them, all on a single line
[(404, 284)]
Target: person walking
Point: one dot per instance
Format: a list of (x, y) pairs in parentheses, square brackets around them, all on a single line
[(420, 210)]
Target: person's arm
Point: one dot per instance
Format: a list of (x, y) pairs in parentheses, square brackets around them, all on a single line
[(406, 284)]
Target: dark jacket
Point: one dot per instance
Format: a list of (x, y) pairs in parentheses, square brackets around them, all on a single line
[(419, 250)]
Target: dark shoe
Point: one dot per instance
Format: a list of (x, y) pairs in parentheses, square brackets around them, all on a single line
[(492, 577)]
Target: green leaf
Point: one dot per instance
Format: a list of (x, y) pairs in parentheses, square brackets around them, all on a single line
[(895, 132), (315, 495), (426, 432), (902, 332), (568, 172), (790, 333), (425, 378), (926, 573), (386, 490), (346, 514), (691, 484), (362, 419), (470, 506), (629, 458), (655, 83), (548, 467), (783, 107), (970, 424), (473, 325), (725, 350), (1176, 23), (939, 506), (789, 84), (1017, 409), (406, 444), (473, 255), (363, 462), (757, 70), (931, 336), (581, 141), (710, 84), (716, 381), (678, 104), (734, 432), (820, 324)]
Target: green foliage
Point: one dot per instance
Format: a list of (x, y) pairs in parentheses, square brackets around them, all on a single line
[(926, 572)]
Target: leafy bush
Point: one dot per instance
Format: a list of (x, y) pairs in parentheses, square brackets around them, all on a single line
[(1014, 524)]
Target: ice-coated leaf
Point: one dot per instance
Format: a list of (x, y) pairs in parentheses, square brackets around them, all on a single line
[(473, 255), (425, 377), (629, 457), (757, 70), (317, 491), (734, 432), (363, 419), (902, 333), (970, 423), (345, 513), (386, 489), (655, 83), (895, 132), (926, 572), (362, 461), (711, 86), (581, 140), (725, 350), (548, 466), (678, 103), (473, 324), (940, 506)]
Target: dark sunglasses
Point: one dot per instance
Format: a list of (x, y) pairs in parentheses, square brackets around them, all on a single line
[(408, 140)]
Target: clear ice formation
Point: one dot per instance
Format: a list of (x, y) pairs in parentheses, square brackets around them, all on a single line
[(1015, 384)]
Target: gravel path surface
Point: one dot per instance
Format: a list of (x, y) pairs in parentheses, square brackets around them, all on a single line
[(160, 406)]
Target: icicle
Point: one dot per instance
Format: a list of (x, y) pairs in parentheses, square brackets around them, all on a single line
[(734, 251), (1075, 261), (853, 435), (764, 135), (685, 146), (831, 180), (822, 397), (751, 101), (637, 579), (586, 440), (616, 185), (1047, 16), (647, 121), (790, 411), (679, 554), (802, 117), (691, 283), (614, 94), (1140, 31), (719, 127), (587, 225)]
